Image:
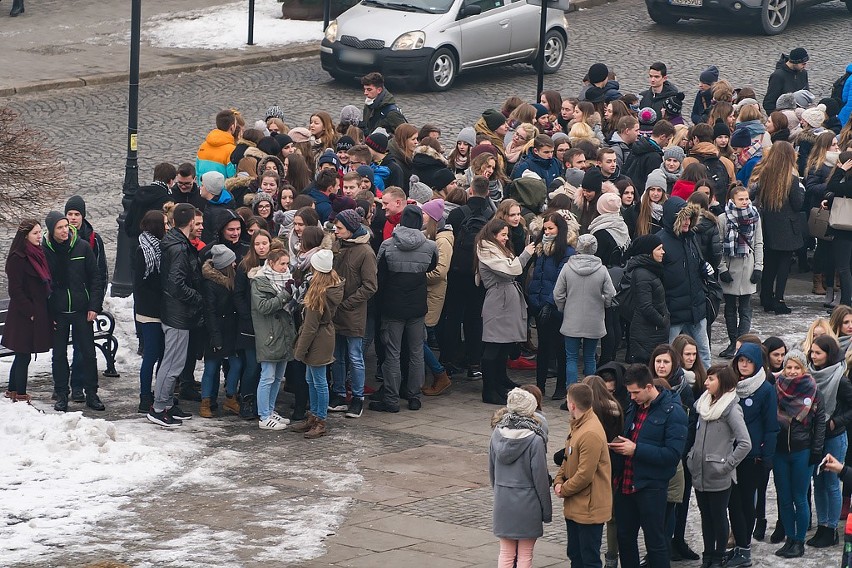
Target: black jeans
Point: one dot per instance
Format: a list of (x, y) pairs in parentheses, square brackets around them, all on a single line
[(737, 315), (776, 269), (611, 341), (760, 503), (714, 521), (750, 475), (295, 375), (842, 254), (83, 338), (550, 342), (682, 508), (463, 306), (645, 509), (194, 351), (824, 261), (494, 376), (584, 544), (18, 373)]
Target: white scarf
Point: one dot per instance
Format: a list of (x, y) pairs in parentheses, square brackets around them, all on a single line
[(277, 279), (749, 386), (614, 225), (496, 260), (708, 410)]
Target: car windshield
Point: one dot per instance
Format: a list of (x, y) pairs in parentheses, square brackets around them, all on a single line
[(423, 6)]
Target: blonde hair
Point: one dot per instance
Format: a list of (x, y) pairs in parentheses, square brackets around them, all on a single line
[(809, 337), (581, 131), (681, 134), (531, 132), (315, 297), (749, 112)]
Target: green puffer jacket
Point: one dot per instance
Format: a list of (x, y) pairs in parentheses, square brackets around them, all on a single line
[(274, 330)]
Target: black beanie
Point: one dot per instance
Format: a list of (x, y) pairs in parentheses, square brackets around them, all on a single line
[(270, 145), (593, 180), (721, 129), (494, 119), (645, 244), (412, 217), (598, 72), (799, 55), (442, 178), (51, 220), (832, 109), (76, 203)]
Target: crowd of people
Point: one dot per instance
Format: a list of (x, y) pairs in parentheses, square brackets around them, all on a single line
[(547, 230)]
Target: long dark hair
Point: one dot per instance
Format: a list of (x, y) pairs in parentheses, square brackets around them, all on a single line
[(19, 243), (831, 348), (560, 245), (662, 349), (153, 222), (489, 233)]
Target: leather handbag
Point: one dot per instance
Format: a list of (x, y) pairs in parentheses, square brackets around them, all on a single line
[(840, 217), (818, 223)]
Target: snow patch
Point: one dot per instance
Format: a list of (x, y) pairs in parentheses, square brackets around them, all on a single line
[(226, 27)]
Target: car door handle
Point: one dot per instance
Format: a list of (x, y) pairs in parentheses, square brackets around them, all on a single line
[(503, 23)]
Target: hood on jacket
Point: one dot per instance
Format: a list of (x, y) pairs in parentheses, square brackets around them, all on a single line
[(428, 152), (216, 139), (511, 444), (209, 272), (261, 164), (611, 91), (704, 150), (583, 264), (644, 261), (675, 213), (154, 195), (254, 152), (237, 182), (669, 90), (782, 64), (644, 146), (406, 238), (223, 198), (225, 217)]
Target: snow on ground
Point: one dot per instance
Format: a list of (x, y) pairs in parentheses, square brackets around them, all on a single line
[(226, 27)]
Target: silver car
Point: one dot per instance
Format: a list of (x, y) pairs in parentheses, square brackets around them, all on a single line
[(432, 41)]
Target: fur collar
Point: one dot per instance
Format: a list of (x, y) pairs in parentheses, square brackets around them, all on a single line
[(254, 152), (430, 152), (239, 181), (215, 276)]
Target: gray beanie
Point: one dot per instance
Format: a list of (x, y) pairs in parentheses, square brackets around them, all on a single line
[(804, 98), (786, 102), (586, 244), (419, 191), (222, 257), (675, 152), (214, 182), (467, 135)]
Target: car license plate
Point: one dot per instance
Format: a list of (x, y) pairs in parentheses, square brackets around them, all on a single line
[(691, 3), (357, 56)]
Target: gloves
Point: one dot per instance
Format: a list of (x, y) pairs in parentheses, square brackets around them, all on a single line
[(708, 270), (726, 277), (756, 275), (559, 457)]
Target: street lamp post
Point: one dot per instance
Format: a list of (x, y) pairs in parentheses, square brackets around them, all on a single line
[(122, 282)]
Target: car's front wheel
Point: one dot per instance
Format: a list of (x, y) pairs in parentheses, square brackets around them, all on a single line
[(775, 15), (442, 70), (554, 52), (661, 16)]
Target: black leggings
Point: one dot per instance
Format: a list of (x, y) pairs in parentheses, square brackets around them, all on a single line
[(776, 269), (18, 373), (842, 254), (742, 500), (550, 342), (714, 521)]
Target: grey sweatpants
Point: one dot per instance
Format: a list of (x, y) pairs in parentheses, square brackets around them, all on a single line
[(174, 359), (415, 333)]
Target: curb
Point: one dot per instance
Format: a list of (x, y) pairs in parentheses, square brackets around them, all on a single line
[(291, 52)]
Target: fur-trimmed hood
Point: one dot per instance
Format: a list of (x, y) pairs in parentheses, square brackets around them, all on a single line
[(675, 213), (254, 152), (430, 152), (209, 272), (239, 181), (261, 164)]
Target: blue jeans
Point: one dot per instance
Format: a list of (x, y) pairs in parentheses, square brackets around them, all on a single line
[(827, 485), (792, 479), (698, 332), (251, 372), (152, 352), (572, 355), (271, 374), (210, 378), (584, 544), (431, 361), (348, 350), (317, 390)]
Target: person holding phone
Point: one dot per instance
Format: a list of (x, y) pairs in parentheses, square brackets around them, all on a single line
[(840, 185)]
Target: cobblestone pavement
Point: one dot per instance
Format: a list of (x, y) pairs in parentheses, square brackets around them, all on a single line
[(424, 499)]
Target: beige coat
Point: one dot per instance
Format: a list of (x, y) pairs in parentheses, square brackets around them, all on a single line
[(585, 473), (436, 280)]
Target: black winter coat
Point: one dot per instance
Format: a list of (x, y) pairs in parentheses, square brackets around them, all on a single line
[(426, 163), (842, 415), (782, 229), (83, 291), (708, 239), (650, 323), (242, 303), (147, 292), (29, 327), (223, 217), (193, 197), (645, 157), (656, 100), (608, 250), (816, 184), (683, 267), (180, 276), (147, 198), (797, 436), (783, 80), (220, 314)]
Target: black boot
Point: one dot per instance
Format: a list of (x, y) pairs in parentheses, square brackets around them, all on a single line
[(683, 550), (246, 407), (491, 392), (785, 550), (729, 351), (781, 308), (93, 401), (61, 403), (797, 550), (759, 529), (17, 8), (145, 403), (778, 534)]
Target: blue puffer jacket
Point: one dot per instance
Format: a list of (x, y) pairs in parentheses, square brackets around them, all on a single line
[(760, 411), (682, 265), (660, 444), (548, 169), (846, 98), (544, 276)]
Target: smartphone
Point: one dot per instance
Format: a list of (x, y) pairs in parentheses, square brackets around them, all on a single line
[(822, 464)]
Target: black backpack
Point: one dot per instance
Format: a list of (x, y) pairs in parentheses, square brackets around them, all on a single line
[(623, 299), (463, 250), (718, 174), (837, 88)]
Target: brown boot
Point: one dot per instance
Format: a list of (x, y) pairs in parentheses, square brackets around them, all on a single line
[(10, 394), (441, 383), (305, 425), (819, 286), (318, 430), (205, 411), (232, 404), (19, 397)]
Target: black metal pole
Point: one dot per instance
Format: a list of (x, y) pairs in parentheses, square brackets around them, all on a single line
[(326, 13), (251, 23), (122, 279), (541, 33)]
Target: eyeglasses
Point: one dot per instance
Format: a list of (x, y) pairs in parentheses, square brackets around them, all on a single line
[(185, 183), (264, 206)]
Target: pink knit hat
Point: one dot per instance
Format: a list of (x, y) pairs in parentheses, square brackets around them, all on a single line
[(609, 203), (434, 208)]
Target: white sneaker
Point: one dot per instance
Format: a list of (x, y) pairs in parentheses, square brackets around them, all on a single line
[(277, 417), (271, 424)]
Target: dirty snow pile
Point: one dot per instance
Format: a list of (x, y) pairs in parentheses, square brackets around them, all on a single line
[(63, 473), (226, 27)]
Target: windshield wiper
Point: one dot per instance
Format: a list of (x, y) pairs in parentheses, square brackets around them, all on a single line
[(373, 3), (410, 7)]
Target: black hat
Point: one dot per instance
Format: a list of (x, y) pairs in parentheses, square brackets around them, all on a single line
[(75, 203), (709, 75), (798, 55), (270, 145), (378, 142), (344, 143), (412, 217), (494, 119), (645, 244), (674, 104), (598, 72), (595, 95), (283, 140), (721, 129), (741, 138), (593, 180), (442, 178), (832, 108), (51, 220)]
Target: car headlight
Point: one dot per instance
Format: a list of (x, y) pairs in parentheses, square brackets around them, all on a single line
[(564, 21), (331, 31), (410, 40)]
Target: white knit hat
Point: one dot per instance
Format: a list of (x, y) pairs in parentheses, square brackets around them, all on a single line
[(521, 402), (814, 116), (322, 261)]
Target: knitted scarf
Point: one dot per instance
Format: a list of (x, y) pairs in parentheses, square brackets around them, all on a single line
[(656, 211), (739, 235), (845, 342), (36, 258), (828, 381), (749, 386), (614, 225), (495, 259), (150, 247), (277, 279), (709, 410), (795, 398), (514, 421)]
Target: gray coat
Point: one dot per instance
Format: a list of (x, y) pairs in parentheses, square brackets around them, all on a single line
[(741, 267), (504, 312), (714, 457), (517, 467), (583, 291), (274, 330)]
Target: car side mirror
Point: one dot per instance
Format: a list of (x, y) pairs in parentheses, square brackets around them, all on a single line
[(470, 10)]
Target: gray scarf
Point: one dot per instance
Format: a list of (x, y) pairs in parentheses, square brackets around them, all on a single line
[(614, 225), (749, 386), (828, 381), (514, 421)]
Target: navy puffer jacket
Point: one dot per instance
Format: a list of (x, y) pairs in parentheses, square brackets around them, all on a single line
[(544, 276), (683, 266)]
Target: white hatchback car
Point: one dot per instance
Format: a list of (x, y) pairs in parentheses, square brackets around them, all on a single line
[(435, 40)]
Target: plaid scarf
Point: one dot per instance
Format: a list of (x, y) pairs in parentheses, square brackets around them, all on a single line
[(739, 236), (795, 398), (514, 421), (150, 247)]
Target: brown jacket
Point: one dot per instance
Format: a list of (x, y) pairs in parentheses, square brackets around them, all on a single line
[(436, 280), (315, 344), (585, 473), (706, 150), (355, 262)]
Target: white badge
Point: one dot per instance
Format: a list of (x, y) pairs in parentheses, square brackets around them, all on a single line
[(633, 426), (807, 401), (749, 402), (570, 450)]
